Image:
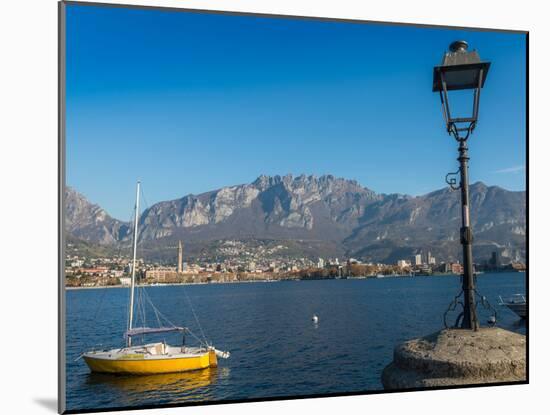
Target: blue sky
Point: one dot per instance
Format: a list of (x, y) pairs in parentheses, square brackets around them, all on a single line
[(189, 102)]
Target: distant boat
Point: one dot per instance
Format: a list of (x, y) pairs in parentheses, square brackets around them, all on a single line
[(152, 358), (517, 303)]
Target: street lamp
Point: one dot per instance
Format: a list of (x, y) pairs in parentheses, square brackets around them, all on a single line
[(462, 70)]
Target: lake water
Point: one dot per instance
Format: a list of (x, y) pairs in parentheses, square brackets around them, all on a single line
[(276, 350)]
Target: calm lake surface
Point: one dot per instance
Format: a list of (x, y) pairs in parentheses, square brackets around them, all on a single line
[(276, 350)]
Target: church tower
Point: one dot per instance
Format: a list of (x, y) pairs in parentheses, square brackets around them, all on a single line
[(180, 257)]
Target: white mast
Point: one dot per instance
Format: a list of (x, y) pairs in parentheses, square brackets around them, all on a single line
[(131, 311)]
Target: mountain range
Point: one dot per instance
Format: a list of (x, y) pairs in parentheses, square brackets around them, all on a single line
[(325, 215)]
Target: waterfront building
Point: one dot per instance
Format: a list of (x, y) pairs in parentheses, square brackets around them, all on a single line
[(161, 274), (417, 259), (457, 268), (495, 261), (403, 263), (321, 263), (425, 269), (98, 271), (125, 281)]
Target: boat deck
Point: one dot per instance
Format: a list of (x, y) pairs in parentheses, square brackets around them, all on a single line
[(149, 351)]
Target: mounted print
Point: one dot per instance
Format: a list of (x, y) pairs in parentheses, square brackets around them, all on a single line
[(258, 207)]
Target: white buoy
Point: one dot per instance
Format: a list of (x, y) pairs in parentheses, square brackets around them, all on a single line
[(315, 319)]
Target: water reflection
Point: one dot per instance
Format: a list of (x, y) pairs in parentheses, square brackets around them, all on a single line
[(181, 386)]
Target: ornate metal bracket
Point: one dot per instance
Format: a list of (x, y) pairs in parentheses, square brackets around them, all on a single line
[(451, 181), (452, 307), (487, 306), (455, 131), (456, 302)]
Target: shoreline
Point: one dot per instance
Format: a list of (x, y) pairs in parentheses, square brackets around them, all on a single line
[(172, 284), (265, 281)]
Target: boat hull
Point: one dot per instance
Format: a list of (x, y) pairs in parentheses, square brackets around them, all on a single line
[(519, 309), (139, 364)]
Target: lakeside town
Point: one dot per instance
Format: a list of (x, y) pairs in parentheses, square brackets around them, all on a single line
[(86, 271)]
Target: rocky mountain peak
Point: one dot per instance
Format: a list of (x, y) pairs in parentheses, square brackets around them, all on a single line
[(90, 222), (326, 208)]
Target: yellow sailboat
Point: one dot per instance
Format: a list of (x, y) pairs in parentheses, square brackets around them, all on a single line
[(152, 358)]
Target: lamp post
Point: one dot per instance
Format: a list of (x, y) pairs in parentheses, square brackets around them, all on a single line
[(462, 70), (447, 357)]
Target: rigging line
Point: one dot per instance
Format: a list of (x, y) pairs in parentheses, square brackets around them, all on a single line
[(157, 316), (139, 319), (132, 216), (100, 305), (158, 313), (145, 203), (142, 308), (155, 245), (139, 303), (144, 296), (140, 314), (184, 291), (199, 340), (154, 242), (136, 308), (194, 314), (143, 314), (94, 319), (154, 309)]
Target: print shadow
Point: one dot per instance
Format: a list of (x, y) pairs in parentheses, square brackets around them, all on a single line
[(48, 403)]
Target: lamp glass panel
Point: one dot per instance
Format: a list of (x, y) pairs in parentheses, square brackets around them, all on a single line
[(461, 103), (462, 79)]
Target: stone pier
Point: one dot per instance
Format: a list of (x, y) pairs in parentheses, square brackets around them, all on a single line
[(457, 357)]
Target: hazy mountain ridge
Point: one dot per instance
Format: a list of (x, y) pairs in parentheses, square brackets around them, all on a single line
[(89, 222), (432, 222), (334, 210)]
